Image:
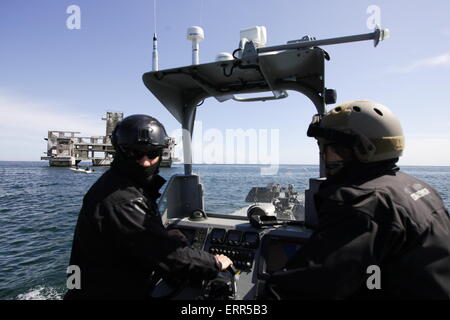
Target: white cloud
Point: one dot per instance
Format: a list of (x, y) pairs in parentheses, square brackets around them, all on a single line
[(442, 60), (24, 123)]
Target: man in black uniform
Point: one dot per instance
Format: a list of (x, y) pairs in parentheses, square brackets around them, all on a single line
[(119, 238), (371, 216)]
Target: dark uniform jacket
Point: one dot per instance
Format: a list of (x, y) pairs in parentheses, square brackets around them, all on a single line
[(120, 240), (373, 215)]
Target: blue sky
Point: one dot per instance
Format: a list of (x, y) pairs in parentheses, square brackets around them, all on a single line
[(55, 78)]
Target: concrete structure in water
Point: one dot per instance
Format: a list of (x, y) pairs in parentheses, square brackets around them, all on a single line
[(65, 149)]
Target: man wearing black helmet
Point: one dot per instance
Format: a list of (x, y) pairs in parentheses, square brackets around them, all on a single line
[(119, 238), (381, 233)]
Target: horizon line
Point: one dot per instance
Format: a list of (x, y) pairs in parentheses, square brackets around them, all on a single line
[(254, 164)]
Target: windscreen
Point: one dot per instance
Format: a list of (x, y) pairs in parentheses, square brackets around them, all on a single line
[(232, 189)]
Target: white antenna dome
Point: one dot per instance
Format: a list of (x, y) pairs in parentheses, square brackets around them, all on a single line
[(224, 56), (195, 33)]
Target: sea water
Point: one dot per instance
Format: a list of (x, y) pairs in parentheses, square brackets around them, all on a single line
[(39, 207)]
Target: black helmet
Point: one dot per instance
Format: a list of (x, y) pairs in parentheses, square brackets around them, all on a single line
[(139, 134)]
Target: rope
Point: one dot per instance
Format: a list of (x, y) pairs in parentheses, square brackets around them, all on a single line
[(154, 15), (201, 13)]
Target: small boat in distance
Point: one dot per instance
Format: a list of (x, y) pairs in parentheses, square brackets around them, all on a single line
[(82, 170)]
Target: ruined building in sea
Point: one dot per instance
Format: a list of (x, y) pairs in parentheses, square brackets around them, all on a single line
[(65, 149)]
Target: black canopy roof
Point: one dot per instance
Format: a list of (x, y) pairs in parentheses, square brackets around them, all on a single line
[(181, 89)]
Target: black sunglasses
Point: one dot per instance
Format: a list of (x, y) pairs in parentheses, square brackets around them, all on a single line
[(151, 154)]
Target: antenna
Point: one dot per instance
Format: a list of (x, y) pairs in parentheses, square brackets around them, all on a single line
[(155, 62), (196, 35), (155, 53)]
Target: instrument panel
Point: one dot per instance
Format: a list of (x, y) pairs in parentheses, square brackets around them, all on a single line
[(238, 245), (241, 246), (255, 253)]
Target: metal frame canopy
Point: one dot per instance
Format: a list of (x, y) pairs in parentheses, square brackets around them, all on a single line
[(181, 89), (298, 66)]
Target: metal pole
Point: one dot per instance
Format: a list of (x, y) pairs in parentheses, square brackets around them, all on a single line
[(187, 131), (195, 52), (315, 43)]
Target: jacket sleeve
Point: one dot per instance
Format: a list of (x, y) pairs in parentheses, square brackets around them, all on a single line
[(333, 263), (138, 233)]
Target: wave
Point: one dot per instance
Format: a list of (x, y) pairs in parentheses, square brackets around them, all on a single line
[(41, 293)]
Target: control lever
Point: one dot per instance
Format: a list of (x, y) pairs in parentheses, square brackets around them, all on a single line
[(233, 270), (234, 279), (224, 286)]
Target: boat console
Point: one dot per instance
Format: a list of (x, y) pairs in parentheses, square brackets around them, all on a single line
[(264, 240), (255, 253)]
